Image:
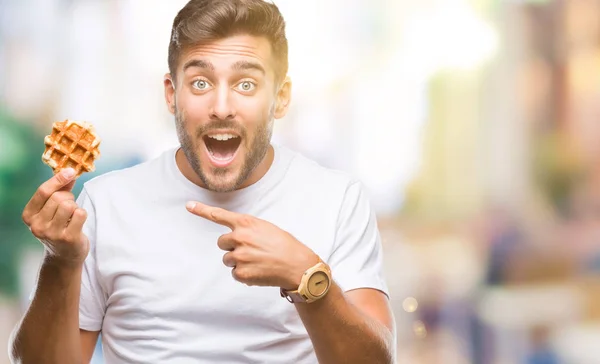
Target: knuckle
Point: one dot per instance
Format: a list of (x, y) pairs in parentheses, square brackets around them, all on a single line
[(38, 231), (81, 213), (247, 277), (245, 220), (44, 192), (64, 203), (26, 218), (66, 236), (242, 236), (216, 213), (55, 197), (240, 274), (67, 205)]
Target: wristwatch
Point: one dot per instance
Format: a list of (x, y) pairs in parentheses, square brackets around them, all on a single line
[(314, 285)]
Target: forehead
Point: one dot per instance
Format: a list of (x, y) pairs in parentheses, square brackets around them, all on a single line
[(223, 53)]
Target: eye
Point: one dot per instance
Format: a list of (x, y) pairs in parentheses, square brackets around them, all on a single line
[(201, 84), (246, 86)]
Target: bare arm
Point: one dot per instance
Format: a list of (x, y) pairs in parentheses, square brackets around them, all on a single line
[(88, 344), (30, 333), (356, 327), (49, 330)]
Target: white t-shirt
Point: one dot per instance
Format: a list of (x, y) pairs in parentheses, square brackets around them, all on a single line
[(154, 282)]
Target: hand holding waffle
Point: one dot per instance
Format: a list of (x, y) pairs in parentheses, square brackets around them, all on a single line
[(52, 214), (55, 219)]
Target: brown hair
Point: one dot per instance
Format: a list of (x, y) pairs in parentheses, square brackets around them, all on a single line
[(202, 21)]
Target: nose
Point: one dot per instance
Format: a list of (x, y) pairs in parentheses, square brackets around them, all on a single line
[(222, 107)]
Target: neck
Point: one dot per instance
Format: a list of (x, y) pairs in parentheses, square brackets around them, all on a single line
[(259, 172)]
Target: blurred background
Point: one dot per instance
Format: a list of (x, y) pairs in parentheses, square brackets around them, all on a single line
[(474, 124)]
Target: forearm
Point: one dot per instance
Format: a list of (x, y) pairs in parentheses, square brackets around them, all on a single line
[(49, 331), (341, 333)]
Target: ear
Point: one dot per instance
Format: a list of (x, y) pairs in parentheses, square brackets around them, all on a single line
[(170, 92), (284, 97)]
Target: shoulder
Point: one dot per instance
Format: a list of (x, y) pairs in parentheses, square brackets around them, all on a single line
[(314, 173), (307, 175)]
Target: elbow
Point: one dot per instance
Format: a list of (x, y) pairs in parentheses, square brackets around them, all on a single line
[(379, 357), (387, 357), (17, 349), (14, 356), (390, 348), (381, 353)]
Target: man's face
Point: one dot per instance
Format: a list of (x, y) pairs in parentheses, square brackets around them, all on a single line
[(225, 100)]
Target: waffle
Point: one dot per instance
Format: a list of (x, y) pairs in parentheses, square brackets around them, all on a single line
[(71, 144)]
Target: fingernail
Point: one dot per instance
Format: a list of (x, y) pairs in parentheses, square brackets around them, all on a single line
[(190, 205), (68, 173)]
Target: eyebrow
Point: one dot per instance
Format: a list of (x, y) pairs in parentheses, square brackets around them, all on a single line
[(247, 65), (198, 63)]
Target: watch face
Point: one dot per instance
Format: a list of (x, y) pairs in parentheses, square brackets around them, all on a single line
[(318, 284)]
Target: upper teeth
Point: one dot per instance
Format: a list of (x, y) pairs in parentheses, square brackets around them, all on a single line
[(222, 136)]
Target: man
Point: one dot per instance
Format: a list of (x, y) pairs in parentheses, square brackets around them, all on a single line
[(193, 257)]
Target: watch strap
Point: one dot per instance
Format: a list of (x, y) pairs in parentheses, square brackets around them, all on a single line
[(293, 296)]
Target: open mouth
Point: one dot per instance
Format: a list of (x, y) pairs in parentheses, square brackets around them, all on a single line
[(222, 147)]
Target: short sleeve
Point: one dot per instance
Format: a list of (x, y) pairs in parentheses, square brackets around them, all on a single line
[(356, 260), (92, 300)]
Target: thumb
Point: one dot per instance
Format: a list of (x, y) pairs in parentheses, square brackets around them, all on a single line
[(68, 173), (69, 186)]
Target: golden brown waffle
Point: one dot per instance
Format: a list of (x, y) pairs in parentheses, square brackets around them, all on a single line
[(71, 144)]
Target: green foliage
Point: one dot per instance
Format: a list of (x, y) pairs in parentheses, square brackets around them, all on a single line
[(21, 171)]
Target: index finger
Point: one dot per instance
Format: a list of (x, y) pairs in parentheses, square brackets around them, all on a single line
[(214, 214), (46, 189)]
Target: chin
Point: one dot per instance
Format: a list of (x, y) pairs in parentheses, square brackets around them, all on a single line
[(221, 180)]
